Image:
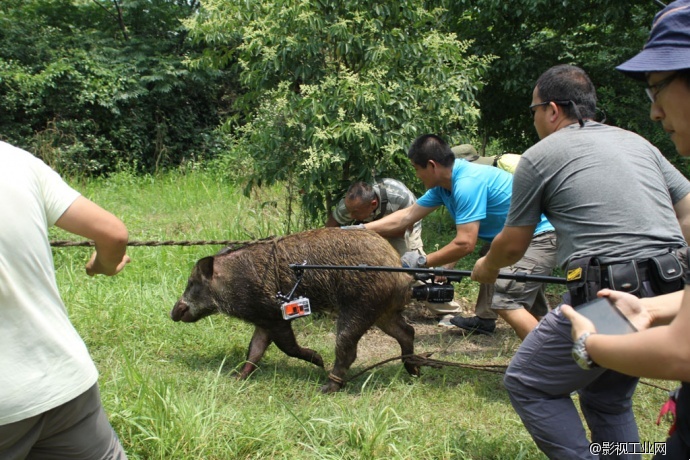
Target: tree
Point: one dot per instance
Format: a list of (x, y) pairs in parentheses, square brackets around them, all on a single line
[(529, 36), (94, 85), (336, 91)]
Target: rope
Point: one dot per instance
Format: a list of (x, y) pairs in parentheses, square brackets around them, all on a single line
[(65, 243), (425, 360), (653, 385), (420, 360)]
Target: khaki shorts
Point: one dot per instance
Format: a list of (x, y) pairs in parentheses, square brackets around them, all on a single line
[(76, 430), (539, 259)]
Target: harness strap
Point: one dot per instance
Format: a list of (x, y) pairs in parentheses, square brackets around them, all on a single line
[(337, 380)]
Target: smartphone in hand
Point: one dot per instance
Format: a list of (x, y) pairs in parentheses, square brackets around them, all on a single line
[(607, 318)]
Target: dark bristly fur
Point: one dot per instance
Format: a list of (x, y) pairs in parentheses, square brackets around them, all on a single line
[(243, 283)]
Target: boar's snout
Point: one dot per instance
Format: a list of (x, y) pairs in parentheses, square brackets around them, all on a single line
[(190, 312), (180, 311)]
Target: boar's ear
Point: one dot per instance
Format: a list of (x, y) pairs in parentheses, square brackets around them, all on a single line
[(206, 267)]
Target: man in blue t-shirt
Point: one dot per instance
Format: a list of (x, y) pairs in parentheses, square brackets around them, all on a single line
[(478, 199)]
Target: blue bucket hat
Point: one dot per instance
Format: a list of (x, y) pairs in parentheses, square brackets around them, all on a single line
[(668, 46)]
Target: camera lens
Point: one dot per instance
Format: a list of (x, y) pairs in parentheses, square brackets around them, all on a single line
[(434, 293)]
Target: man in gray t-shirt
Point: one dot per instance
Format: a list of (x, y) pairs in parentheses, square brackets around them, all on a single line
[(614, 201), (615, 215)]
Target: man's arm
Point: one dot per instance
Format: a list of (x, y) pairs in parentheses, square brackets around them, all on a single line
[(659, 352), (87, 219), (507, 248), (663, 308), (464, 242), (682, 209), (399, 221)]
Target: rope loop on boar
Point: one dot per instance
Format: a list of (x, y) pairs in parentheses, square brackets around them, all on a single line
[(337, 380)]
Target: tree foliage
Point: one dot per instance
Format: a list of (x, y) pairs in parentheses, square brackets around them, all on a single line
[(529, 36), (91, 85), (335, 91), (316, 93)]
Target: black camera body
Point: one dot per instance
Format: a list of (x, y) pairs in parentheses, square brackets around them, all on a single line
[(433, 292)]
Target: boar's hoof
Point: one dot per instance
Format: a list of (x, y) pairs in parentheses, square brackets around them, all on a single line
[(334, 384), (246, 371), (330, 387), (413, 369), (317, 360)]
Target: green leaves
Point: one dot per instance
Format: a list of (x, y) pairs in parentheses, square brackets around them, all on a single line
[(335, 93), (77, 93), (529, 36)]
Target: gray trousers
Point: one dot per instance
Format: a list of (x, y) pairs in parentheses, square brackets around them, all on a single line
[(540, 379), (76, 430)]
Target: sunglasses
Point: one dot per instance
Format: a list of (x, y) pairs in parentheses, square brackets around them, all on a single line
[(533, 107)]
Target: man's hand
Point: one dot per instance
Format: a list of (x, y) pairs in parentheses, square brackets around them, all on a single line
[(630, 306), (580, 323), (412, 259), (353, 227), (95, 267), (482, 273)]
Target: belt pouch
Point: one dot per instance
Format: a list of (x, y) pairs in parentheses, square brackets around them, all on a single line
[(624, 277), (666, 273), (583, 279)]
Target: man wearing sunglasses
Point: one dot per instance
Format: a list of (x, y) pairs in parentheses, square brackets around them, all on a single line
[(616, 203)]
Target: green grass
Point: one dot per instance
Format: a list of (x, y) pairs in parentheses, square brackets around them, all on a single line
[(169, 388)]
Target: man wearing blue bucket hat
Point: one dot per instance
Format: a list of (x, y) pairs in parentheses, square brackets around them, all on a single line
[(661, 352), (665, 64)]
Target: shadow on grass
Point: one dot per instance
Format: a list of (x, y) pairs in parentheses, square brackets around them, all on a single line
[(230, 363), (446, 344), (289, 373)]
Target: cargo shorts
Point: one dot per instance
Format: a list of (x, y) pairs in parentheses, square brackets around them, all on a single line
[(539, 259)]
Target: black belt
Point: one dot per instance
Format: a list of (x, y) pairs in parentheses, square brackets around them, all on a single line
[(644, 277), (642, 273)]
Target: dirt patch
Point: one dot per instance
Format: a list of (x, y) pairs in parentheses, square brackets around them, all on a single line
[(444, 342), (447, 343)]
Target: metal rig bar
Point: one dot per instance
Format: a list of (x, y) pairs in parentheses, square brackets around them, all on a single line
[(519, 277)]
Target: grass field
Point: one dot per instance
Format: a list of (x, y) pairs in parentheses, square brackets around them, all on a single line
[(168, 387)]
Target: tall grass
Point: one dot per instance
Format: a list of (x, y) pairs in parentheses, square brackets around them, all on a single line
[(169, 388)]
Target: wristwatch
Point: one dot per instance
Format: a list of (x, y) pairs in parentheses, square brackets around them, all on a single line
[(421, 262), (580, 354)]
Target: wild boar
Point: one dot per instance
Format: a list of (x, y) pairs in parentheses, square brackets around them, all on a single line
[(244, 283)]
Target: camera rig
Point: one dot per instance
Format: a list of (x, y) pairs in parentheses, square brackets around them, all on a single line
[(426, 289)]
